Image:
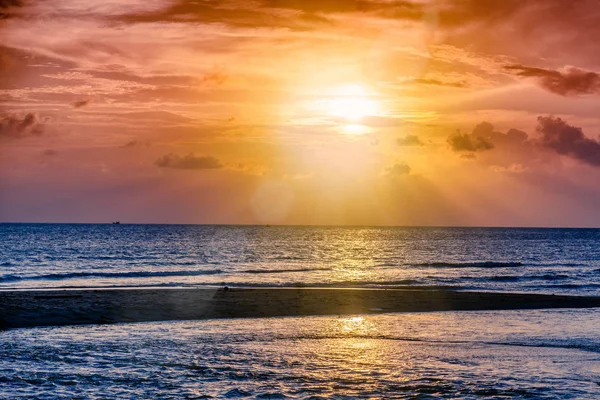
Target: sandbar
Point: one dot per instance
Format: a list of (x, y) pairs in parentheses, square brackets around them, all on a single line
[(31, 308)]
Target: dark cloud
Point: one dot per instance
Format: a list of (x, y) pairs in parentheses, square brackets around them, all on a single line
[(514, 151), (7, 7), (189, 161), (568, 140), (568, 81), (456, 13), (518, 17), (136, 143), (484, 137), (469, 142), (398, 169), (80, 103), (486, 131), (11, 3), (532, 30), (17, 127), (409, 140), (301, 15)]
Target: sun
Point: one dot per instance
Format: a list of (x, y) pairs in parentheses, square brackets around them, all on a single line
[(352, 103)]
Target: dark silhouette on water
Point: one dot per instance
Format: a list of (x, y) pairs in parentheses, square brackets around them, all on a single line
[(29, 308)]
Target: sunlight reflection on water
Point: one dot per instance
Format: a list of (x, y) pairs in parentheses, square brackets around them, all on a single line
[(530, 260), (531, 354)]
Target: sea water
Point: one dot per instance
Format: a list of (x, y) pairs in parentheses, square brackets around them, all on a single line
[(532, 354), (484, 354), (565, 261)]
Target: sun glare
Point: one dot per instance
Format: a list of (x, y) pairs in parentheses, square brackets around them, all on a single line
[(352, 103), (354, 129)]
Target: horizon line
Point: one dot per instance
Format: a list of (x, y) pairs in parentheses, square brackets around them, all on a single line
[(301, 225)]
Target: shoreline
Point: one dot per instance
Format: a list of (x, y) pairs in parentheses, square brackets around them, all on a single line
[(52, 307)]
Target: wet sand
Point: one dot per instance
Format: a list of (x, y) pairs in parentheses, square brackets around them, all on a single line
[(20, 309)]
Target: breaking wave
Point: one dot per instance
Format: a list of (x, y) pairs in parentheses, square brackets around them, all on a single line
[(484, 264), (129, 274)]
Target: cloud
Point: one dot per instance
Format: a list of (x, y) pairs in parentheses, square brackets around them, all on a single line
[(290, 14), (437, 82), (469, 142), (189, 161), (453, 13), (154, 117), (80, 103), (409, 140), (381, 121), (484, 137), (568, 140), (567, 81), (13, 126), (136, 143), (486, 131), (239, 14), (515, 152), (338, 6), (514, 168), (214, 77), (9, 6), (398, 169)]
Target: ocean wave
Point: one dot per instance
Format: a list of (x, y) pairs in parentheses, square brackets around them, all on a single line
[(549, 277), (558, 344), (366, 284), (413, 284), (516, 278), (501, 278), (289, 258), (571, 286), (129, 274), (483, 264), (561, 264), (281, 271)]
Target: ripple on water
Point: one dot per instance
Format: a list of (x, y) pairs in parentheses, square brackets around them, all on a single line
[(519, 354)]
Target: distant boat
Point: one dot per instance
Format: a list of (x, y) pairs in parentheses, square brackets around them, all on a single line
[(117, 223)]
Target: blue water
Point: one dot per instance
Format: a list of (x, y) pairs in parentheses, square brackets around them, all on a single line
[(536, 354), (506, 259), (530, 354)]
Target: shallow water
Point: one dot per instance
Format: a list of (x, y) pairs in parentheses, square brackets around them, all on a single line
[(85, 255), (506, 354), (501, 354)]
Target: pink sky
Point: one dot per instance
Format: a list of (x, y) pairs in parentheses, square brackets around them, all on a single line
[(449, 112)]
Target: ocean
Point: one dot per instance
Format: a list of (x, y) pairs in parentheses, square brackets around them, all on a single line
[(560, 261), (469, 354)]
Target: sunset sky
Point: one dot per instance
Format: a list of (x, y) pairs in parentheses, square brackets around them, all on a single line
[(417, 112)]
